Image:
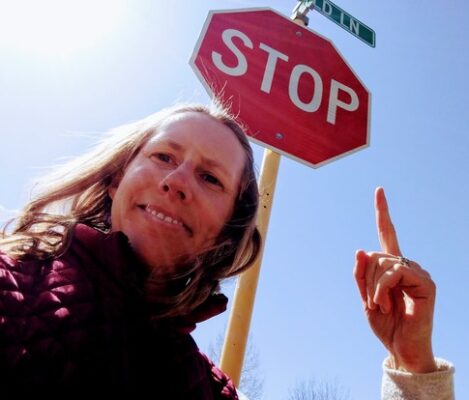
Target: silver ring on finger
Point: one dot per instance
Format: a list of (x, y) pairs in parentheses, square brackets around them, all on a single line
[(404, 261)]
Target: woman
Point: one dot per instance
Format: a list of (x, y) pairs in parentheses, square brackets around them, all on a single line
[(110, 268)]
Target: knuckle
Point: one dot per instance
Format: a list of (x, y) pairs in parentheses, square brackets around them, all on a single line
[(383, 261), (416, 265), (431, 284), (398, 266)]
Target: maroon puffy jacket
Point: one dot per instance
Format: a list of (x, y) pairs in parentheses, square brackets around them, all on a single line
[(80, 322)]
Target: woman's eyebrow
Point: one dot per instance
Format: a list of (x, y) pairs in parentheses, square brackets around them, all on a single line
[(215, 164), (207, 161), (175, 145)]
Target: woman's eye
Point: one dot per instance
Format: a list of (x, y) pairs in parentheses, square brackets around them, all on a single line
[(163, 157), (211, 179)]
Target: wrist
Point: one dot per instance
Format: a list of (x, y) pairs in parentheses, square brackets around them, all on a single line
[(419, 364)]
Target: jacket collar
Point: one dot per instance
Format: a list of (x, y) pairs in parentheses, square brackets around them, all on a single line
[(114, 252)]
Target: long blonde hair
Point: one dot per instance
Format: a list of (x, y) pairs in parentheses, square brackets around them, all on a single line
[(77, 192)]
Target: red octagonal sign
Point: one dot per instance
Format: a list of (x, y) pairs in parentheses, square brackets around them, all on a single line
[(290, 86)]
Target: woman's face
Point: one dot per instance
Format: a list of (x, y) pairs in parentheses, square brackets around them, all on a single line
[(178, 192)]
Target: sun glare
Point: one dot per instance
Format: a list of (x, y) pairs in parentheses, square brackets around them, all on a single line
[(57, 27)]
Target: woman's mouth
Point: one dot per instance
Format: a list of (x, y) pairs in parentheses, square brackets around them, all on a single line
[(162, 216)]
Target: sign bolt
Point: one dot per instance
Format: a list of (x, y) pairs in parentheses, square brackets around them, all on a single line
[(279, 136)]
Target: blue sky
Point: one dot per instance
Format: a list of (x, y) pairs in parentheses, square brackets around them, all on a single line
[(59, 87)]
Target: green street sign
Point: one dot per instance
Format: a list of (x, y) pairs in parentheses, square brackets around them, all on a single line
[(343, 19)]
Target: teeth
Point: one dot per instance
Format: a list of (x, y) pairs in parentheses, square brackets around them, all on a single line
[(161, 216)]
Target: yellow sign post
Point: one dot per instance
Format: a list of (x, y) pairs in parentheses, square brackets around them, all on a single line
[(240, 318)]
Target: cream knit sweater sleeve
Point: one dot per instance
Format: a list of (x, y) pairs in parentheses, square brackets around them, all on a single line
[(399, 385)]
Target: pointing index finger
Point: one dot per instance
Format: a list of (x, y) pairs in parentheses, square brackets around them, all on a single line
[(386, 232)]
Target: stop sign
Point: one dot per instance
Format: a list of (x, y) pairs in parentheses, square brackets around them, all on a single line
[(290, 86)]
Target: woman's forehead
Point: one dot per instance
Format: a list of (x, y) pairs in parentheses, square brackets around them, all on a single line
[(203, 135), (188, 117), (196, 129)]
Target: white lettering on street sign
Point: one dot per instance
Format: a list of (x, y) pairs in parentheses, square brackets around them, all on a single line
[(295, 76), (341, 18), (242, 66), (274, 55), (334, 101), (297, 72)]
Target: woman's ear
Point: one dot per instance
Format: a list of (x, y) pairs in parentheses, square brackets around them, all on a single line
[(112, 191), (114, 185)]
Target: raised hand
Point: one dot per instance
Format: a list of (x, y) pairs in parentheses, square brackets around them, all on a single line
[(398, 297)]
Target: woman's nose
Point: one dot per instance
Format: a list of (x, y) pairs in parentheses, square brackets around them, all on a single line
[(177, 184)]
